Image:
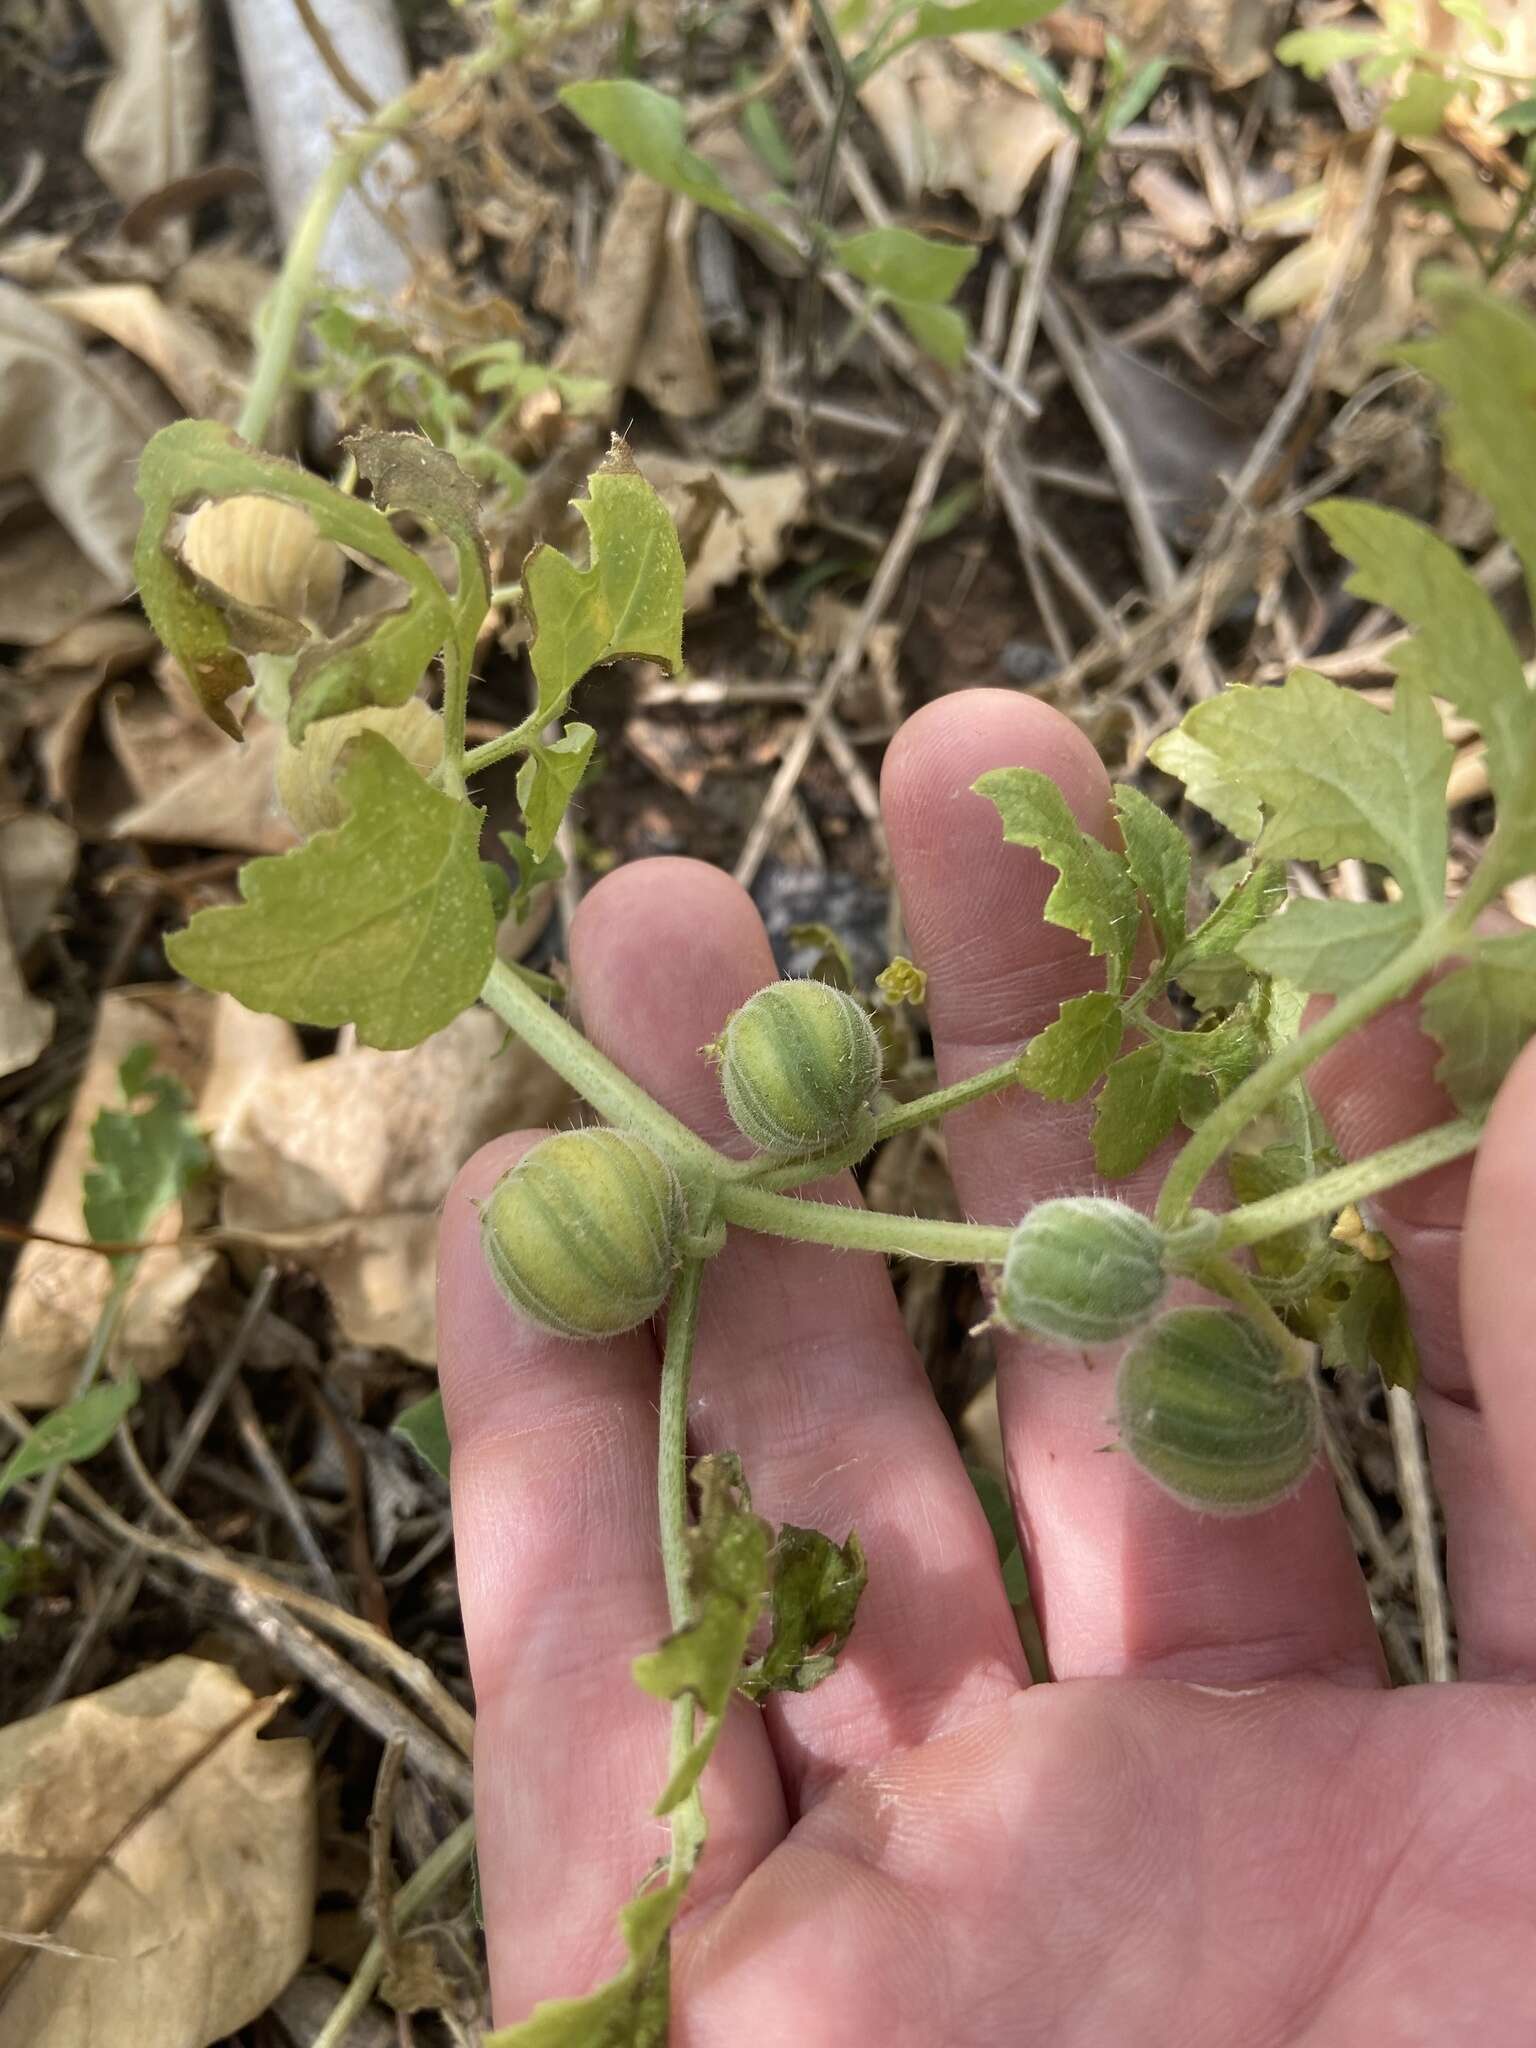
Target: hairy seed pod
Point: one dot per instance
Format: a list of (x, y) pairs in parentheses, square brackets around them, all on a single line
[(581, 1234), (799, 1063), (264, 552), (1082, 1270), (1211, 1408), (306, 774)]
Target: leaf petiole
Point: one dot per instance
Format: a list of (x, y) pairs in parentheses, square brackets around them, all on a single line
[(1330, 1192)]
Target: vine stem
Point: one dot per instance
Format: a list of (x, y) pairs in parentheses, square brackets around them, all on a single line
[(861, 1230), (289, 302), (1331, 1192), (1231, 1117), (419, 1889), (595, 1077), (687, 1819), (1222, 1277)]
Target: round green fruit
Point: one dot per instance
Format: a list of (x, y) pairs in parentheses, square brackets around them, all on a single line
[(1209, 1405), (800, 1065), (306, 774), (1082, 1270), (581, 1234)]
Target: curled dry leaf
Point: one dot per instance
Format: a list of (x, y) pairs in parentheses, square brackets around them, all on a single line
[(1233, 39), (150, 122), (753, 513), (224, 796), (613, 306), (342, 1164), (182, 354), (1383, 303), (952, 127), (65, 676), (37, 858), (156, 1858), (675, 365), (70, 435), (218, 1051)]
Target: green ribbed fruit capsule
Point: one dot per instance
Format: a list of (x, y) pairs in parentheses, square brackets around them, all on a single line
[(1209, 1406), (1082, 1270), (581, 1234), (800, 1065)]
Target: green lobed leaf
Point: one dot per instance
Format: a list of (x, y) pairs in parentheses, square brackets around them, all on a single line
[(728, 1576), (918, 276), (1482, 1014), (1095, 896), (628, 601), (146, 1159), (815, 1590), (1209, 967), (1210, 1060), (1420, 107), (1063, 1061), (1207, 781), (1316, 50), (380, 661), (1157, 854), (1460, 649), (1484, 360), (630, 2010), (1371, 1322), (1327, 948), (934, 18), (547, 781), (1135, 1110), (384, 922), (424, 1426), (1520, 119), (71, 1434), (532, 870), (649, 131), (1255, 1176), (1336, 778), (408, 474)]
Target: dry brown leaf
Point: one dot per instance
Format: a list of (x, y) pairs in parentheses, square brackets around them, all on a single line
[(150, 122), (182, 355), (196, 787), (747, 535), (675, 365), (343, 1164), (72, 434), (1235, 39), (217, 1051), (1383, 303), (146, 1829), (66, 675), (614, 306), (37, 858), (951, 128)]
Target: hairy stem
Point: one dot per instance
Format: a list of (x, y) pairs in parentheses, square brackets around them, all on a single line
[(1230, 1118), (905, 1116), (861, 1230), (595, 1077), (1331, 1192), (687, 1819)]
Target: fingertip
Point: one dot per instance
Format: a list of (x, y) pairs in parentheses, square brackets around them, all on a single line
[(942, 749)]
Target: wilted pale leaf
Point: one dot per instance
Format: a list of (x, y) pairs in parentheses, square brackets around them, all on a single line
[(146, 1827)]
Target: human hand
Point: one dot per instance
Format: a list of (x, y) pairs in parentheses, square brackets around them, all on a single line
[(1218, 1827)]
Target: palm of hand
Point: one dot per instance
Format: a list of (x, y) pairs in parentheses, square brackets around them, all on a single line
[(1222, 1828)]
